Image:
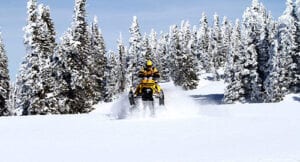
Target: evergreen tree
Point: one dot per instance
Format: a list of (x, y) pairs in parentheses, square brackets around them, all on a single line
[(276, 87), (235, 91), (112, 72), (51, 45), (277, 82), (219, 57), (215, 59), (286, 50), (27, 80), (61, 66), (74, 90), (174, 51), (134, 53), (97, 61), (20, 101), (264, 50), (34, 84), (162, 53), (204, 39), (181, 51), (122, 60), (43, 101), (146, 53), (256, 40), (195, 49), (186, 72), (23, 87), (213, 50), (296, 55), (4, 81), (226, 32), (210, 64), (153, 48), (190, 70)]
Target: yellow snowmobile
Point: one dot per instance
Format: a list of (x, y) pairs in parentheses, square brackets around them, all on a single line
[(147, 90)]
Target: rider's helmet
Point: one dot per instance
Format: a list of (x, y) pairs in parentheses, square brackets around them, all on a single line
[(149, 64)]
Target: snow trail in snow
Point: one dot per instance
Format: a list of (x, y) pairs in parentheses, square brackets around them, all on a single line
[(178, 104)]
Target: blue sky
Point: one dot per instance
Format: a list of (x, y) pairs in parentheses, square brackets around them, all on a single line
[(115, 16)]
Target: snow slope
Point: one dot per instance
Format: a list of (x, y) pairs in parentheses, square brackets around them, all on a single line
[(194, 127)]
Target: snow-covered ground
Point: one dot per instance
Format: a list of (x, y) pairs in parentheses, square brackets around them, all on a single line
[(194, 127)]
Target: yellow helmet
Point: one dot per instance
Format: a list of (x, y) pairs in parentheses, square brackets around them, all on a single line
[(149, 63)]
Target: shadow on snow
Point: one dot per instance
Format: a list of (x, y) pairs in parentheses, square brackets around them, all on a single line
[(210, 99), (296, 99)]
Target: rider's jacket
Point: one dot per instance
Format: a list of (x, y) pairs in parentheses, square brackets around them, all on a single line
[(149, 72)]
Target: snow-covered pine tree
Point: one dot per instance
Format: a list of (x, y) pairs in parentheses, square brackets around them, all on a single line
[(146, 53), (214, 50), (4, 81), (293, 10), (195, 49), (97, 61), (219, 56), (27, 81), (204, 38), (275, 83), (191, 65), (153, 48), (226, 32), (42, 101), (20, 90), (122, 60), (34, 83), (174, 51), (162, 53), (74, 90), (112, 73), (253, 88), (235, 91), (264, 49), (256, 41), (134, 53), (210, 57), (22, 85), (181, 50), (62, 68), (297, 10), (116, 72), (186, 71), (286, 48)]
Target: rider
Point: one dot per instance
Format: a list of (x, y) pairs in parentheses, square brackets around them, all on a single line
[(147, 72)]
